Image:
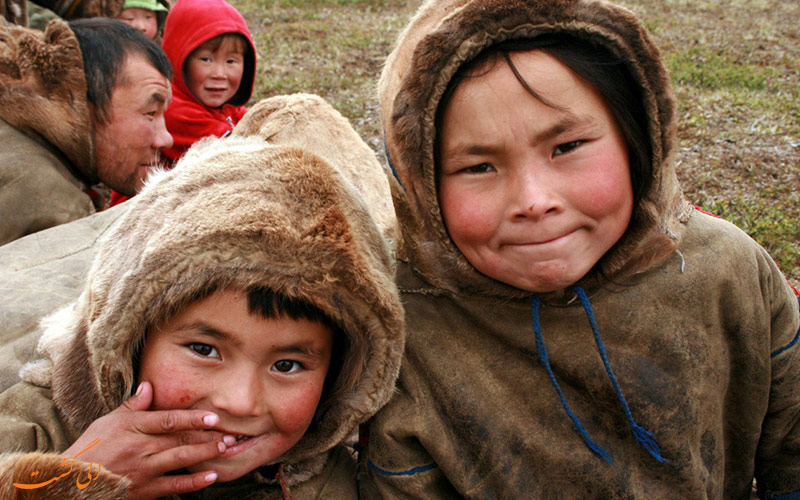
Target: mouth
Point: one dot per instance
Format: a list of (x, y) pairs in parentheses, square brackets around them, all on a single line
[(544, 241), (243, 443)]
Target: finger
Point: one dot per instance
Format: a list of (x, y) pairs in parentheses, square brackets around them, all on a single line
[(175, 485), (142, 399), (184, 456), (197, 437), (168, 421)]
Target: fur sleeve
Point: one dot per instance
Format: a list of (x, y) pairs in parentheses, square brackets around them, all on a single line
[(48, 475)]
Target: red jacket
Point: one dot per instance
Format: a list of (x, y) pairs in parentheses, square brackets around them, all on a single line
[(189, 24)]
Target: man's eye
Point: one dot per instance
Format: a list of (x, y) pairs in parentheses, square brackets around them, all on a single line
[(287, 366), (204, 350), (566, 147)]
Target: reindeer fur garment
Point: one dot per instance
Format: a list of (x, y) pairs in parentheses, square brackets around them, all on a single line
[(235, 212), (697, 321), (46, 150)]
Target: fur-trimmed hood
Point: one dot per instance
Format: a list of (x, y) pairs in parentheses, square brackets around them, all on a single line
[(43, 92), (243, 212), (446, 33)]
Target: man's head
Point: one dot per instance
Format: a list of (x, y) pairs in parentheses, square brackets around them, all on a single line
[(258, 359), (127, 79)]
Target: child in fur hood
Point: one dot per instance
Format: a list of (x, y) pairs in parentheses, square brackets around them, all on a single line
[(576, 328), (232, 346)]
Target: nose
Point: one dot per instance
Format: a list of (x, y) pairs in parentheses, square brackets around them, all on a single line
[(218, 70), (241, 395), (534, 193), (140, 25), (162, 139)]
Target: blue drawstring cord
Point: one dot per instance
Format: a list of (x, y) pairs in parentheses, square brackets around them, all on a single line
[(545, 360), (642, 436)]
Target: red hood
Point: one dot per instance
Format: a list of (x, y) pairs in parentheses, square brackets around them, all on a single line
[(192, 22)]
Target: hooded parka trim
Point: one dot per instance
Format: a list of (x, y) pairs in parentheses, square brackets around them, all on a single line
[(243, 212), (444, 35), (689, 307)]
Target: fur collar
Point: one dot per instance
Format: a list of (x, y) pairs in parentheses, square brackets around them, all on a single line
[(43, 92)]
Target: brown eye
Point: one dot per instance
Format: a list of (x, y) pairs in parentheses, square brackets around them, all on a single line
[(204, 350), (286, 366)]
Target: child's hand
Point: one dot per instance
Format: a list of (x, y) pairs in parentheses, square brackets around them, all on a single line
[(144, 445)]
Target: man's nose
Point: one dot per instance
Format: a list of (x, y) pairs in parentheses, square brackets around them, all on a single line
[(162, 138)]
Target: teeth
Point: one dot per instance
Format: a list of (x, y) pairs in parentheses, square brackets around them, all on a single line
[(239, 439)]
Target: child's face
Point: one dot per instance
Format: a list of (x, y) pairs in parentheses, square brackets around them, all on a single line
[(213, 75), (142, 19), (532, 195), (262, 377)]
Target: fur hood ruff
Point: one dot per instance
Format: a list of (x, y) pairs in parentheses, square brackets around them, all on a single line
[(293, 213), (446, 33), (43, 92)]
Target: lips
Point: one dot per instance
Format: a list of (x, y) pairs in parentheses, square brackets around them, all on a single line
[(243, 443)]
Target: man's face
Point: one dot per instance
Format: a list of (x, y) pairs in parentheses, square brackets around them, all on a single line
[(127, 144)]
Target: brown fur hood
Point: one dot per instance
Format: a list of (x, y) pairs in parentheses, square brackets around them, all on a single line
[(239, 212), (446, 33), (43, 91)]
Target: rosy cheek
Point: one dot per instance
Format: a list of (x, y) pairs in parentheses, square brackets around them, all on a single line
[(172, 394), (298, 411)]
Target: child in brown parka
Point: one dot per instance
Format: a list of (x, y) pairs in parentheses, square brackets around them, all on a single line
[(239, 321), (576, 329)]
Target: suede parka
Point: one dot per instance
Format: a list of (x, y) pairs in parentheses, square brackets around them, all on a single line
[(46, 149), (669, 371), (287, 214), (190, 24)]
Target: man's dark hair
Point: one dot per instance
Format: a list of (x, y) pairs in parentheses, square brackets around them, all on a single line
[(105, 43)]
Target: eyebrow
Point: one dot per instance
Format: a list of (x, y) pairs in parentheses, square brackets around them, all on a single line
[(158, 97), (569, 122), (301, 348), (208, 330)]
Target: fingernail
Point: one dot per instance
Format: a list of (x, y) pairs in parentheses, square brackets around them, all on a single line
[(229, 440), (139, 389), (210, 419), (221, 447), (211, 477)]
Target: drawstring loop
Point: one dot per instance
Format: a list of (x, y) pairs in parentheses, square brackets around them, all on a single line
[(545, 360), (642, 436)]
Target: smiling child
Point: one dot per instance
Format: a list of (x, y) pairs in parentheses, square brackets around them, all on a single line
[(576, 328), (213, 58), (214, 68), (232, 345)]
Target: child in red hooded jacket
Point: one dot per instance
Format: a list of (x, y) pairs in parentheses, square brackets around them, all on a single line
[(214, 66)]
